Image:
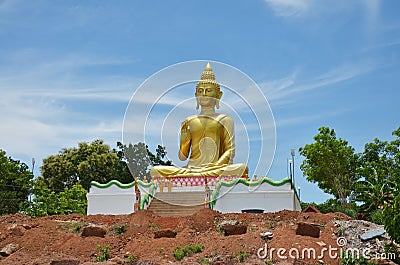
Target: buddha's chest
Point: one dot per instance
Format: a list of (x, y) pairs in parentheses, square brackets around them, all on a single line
[(205, 127)]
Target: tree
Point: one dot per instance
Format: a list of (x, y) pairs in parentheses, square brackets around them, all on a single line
[(380, 177), (48, 202), (139, 158), (97, 162), (15, 181), (89, 162), (392, 205), (332, 164)]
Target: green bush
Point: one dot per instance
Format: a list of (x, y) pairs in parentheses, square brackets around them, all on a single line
[(377, 217), (189, 250), (350, 260), (118, 229), (104, 253), (242, 256), (48, 202), (392, 218)]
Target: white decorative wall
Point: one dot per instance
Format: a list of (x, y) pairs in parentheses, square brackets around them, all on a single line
[(110, 200), (267, 197)]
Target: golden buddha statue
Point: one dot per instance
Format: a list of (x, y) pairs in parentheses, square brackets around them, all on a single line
[(208, 137)]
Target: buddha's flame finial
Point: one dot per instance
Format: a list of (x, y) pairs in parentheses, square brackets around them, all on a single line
[(208, 77)]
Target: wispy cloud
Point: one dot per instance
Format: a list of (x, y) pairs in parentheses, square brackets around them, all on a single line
[(322, 9), (278, 92), (289, 8)]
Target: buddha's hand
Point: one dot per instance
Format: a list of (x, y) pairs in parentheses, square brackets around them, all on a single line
[(185, 131)]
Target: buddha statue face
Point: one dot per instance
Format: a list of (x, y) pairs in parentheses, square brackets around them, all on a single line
[(208, 95)]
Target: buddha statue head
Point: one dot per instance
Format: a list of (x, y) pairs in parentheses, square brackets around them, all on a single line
[(208, 91)]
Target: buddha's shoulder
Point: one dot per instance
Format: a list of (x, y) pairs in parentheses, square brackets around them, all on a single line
[(218, 116)]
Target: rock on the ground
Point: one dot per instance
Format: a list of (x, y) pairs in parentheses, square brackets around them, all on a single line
[(305, 229), (165, 233), (17, 230), (93, 230), (352, 231), (9, 249), (372, 234), (237, 229), (266, 235), (65, 262)]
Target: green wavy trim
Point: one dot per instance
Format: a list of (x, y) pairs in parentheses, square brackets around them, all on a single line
[(148, 195), (119, 184), (145, 184), (215, 193), (112, 182), (151, 185)]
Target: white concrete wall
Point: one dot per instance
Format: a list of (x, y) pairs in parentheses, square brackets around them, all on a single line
[(111, 200), (266, 197)]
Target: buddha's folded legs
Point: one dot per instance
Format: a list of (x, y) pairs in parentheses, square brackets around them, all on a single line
[(213, 170)]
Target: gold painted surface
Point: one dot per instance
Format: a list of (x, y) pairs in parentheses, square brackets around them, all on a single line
[(207, 138)]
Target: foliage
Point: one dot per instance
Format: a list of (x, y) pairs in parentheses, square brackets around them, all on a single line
[(104, 253), (377, 217), (132, 259), (139, 158), (96, 161), (379, 190), (204, 261), (89, 162), (48, 202), (392, 218), (189, 250), (331, 163), (332, 205), (15, 181), (73, 226), (378, 168), (118, 229), (350, 260), (392, 252), (242, 256)]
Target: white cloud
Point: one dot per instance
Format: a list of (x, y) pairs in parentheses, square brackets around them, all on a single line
[(289, 8), (279, 92)]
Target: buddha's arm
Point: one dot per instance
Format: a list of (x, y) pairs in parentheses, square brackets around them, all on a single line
[(228, 142), (185, 141)]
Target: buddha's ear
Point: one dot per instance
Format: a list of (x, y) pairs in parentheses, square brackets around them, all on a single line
[(218, 98), (197, 103)]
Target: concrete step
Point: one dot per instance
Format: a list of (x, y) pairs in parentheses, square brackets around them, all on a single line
[(177, 203), (181, 198)]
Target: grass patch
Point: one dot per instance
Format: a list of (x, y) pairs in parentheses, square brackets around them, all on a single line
[(104, 253), (118, 229), (242, 256), (73, 226), (154, 227), (204, 261), (131, 259), (187, 251)]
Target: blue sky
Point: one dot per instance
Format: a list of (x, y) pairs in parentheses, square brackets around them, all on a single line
[(69, 68)]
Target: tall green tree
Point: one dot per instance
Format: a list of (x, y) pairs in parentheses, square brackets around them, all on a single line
[(15, 181), (380, 174), (392, 204), (140, 159), (332, 164), (89, 162)]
